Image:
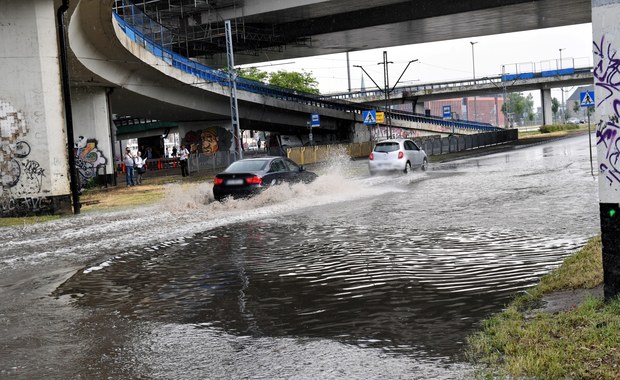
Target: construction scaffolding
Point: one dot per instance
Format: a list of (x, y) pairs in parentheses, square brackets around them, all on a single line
[(195, 28)]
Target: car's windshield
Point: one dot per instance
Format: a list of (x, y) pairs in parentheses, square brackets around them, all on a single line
[(387, 147), (245, 166)]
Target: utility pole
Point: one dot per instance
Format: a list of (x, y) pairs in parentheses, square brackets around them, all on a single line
[(348, 73), (473, 65), (386, 79), (386, 90), (232, 78), (563, 114), (66, 89)]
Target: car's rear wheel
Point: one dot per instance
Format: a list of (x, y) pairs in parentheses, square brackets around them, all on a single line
[(424, 164), (407, 167)]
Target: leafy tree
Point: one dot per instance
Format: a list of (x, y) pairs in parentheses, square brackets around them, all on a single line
[(555, 106), (576, 107), (254, 74), (304, 82), (518, 105)]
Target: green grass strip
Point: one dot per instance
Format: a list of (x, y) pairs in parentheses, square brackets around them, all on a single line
[(581, 343)]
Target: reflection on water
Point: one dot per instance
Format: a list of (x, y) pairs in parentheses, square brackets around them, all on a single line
[(414, 292)]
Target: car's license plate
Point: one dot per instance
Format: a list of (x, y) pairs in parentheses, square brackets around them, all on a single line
[(234, 182)]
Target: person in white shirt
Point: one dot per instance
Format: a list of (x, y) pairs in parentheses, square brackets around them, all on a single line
[(183, 156), (139, 167), (129, 162)]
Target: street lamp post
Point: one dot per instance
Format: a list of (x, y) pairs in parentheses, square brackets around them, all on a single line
[(386, 90), (473, 65), (386, 82), (563, 114)]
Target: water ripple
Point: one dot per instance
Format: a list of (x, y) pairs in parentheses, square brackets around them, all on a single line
[(393, 290)]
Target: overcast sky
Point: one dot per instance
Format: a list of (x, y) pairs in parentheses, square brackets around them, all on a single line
[(452, 60)]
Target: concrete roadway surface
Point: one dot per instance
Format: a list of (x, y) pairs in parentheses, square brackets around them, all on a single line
[(350, 277)]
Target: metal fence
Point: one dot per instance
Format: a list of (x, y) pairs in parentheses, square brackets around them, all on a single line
[(433, 146), (303, 155), (199, 162)]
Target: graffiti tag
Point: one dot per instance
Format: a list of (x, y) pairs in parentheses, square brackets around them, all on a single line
[(607, 77), (34, 171)]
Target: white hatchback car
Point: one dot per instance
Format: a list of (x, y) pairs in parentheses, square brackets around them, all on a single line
[(396, 155)]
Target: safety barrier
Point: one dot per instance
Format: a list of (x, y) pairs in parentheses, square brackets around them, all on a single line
[(434, 145), (320, 153), (152, 164)]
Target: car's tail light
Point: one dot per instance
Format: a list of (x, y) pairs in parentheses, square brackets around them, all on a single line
[(256, 180), (371, 157), (401, 154), (218, 181)]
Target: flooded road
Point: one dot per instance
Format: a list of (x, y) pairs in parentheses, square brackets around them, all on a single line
[(352, 277)]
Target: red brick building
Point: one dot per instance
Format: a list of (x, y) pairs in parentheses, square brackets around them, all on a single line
[(482, 109)]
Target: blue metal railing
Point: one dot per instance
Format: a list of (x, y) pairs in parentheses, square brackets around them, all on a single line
[(434, 87), (211, 75)]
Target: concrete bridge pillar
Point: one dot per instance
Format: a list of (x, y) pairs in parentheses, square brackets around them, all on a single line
[(419, 108), (362, 133), (33, 141), (546, 106), (606, 35), (92, 130)]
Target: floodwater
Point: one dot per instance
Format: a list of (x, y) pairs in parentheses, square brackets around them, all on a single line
[(350, 277)]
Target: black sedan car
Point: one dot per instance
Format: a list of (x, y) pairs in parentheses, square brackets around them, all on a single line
[(247, 177)]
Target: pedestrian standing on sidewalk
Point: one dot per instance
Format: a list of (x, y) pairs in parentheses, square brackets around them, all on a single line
[(129, 163), (183, 156), (139, 169)]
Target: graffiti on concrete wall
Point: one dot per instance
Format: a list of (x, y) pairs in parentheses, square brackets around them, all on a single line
[(381, 132), (208, 141), (22, 176), (607, 81), (20, 173), (24, 206), (87, 159)]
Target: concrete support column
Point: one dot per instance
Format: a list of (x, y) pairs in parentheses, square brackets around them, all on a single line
[(545, 95), (93, 145), (33, 143), (606, 35), (362, 133), (419, 108)]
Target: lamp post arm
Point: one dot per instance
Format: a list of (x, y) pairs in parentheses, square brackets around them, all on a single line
[(403, 73), (368, 75)]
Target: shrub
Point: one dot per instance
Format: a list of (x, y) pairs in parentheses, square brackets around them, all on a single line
[(557, 128)]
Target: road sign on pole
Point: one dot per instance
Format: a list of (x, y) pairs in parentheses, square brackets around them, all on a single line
[(586, 99), (315, 120), (447, 112), (370, 117), (380, 117)]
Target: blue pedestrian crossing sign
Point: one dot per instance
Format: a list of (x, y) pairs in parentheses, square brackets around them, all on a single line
[(586, 99), (370, 117)]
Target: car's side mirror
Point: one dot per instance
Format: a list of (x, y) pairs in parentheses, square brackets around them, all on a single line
[(301, 168)]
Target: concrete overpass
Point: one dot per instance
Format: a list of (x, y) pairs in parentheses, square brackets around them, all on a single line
[(269, 30)]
